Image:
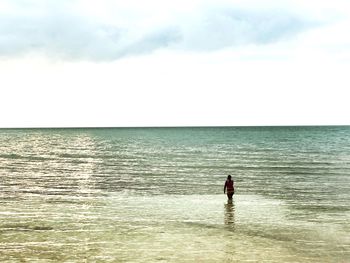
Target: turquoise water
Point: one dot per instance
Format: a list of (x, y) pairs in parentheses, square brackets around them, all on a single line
[(156, 195)]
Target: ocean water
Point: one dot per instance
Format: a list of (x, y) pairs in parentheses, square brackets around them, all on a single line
[(156, 194)]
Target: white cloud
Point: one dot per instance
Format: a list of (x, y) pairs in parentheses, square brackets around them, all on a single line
[(275, 68), (172, 89), (62, 29)]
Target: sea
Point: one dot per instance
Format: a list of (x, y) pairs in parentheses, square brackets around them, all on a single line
[(157, 194)]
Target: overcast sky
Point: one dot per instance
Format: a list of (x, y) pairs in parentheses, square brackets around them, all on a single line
[(73, 63)]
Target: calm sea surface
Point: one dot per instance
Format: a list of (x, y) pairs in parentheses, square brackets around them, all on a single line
[(156, 195)]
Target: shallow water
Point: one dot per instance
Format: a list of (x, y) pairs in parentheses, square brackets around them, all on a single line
[(155, 195)]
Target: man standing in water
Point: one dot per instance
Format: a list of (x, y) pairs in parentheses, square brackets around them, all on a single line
[(229, 185)]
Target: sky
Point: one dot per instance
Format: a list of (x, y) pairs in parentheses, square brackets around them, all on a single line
[(85, 63)]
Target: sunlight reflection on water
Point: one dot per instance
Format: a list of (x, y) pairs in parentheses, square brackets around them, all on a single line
[(146, 195)]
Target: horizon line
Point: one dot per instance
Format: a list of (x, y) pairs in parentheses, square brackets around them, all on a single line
[(175, 126)]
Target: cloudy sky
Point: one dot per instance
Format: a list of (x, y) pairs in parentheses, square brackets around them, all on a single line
[(74, 63)]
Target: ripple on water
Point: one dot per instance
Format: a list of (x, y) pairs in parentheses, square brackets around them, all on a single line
[(146, 195)]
